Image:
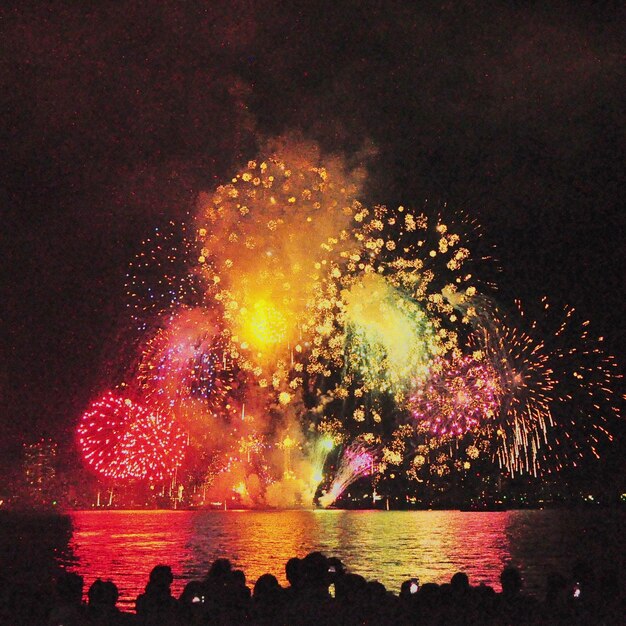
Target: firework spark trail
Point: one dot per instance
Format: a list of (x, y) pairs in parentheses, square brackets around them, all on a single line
[(585, 389), (526, 383), (162, 277), (356, 461), (320, 449), (556, 388)]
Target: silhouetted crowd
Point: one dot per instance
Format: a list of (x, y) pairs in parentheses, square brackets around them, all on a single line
[(321, 591)]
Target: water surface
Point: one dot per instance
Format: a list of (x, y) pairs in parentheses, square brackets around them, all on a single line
[(389, 546)]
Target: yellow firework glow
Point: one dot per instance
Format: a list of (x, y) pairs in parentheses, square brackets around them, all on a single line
[(266, 243), (390, 338), (263, 325), (385, 307)]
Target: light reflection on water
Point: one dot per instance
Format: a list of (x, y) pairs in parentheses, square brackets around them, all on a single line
[(390, 546)]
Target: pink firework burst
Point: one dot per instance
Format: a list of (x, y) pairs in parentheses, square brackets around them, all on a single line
[(458, 396)]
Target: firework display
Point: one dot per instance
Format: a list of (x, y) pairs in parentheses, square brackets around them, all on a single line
[(286, 322)]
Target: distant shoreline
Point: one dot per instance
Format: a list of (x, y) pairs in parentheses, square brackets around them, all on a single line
[(61, 512)]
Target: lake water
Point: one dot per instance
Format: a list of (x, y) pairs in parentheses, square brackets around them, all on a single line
[(390, 546)]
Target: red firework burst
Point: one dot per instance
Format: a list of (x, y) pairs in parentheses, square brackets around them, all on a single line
[(121, 439)]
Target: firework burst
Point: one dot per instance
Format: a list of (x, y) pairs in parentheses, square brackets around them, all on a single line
[(264, 240), (188, 361), (460, 395), (161, 277), (386, 310), (121, 439), (556, 387)]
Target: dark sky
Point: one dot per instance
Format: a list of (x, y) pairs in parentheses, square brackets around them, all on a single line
[(115, 115)]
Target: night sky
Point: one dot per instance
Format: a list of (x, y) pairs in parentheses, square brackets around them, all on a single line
[(116, 115)]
